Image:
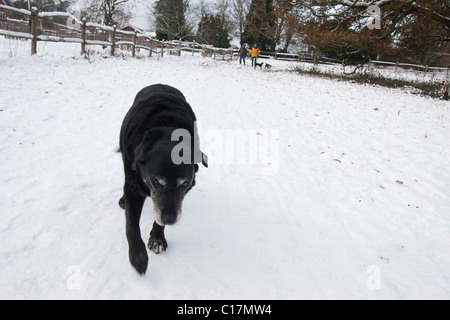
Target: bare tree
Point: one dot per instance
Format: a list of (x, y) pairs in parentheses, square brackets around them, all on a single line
[(41, 5), (239, 11), (171, 19), (202, 10), (223, 10), (294, 26), (109, 12), (408, 30)]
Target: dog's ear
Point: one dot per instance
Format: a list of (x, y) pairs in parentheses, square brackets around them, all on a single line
[(148, 141), (197, 151), (198, 156), (204, 160)]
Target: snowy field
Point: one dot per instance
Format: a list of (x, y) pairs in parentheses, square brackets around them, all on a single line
[(21, 48), (435, 76), (316, 189)]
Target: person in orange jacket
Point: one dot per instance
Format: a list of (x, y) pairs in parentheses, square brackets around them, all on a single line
[(254, 53)]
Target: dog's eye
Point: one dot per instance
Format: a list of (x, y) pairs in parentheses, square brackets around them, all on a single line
[(155, 182), (184, 184)]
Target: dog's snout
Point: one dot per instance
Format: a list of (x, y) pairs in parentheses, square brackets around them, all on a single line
[(169, 219), (166, 215)]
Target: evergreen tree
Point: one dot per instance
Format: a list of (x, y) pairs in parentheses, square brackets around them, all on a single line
[(171, 19), (260, 25), (211, 30)]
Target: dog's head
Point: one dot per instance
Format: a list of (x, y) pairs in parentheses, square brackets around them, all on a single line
[(166, 182)]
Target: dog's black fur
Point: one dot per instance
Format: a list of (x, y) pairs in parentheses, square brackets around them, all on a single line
[(259, 65), (267, 66), (146, 146)]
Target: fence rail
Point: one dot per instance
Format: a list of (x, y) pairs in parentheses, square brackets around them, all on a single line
[(311, 57), (92, 34)]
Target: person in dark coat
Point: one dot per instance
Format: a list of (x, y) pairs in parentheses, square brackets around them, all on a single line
[(242, 54)]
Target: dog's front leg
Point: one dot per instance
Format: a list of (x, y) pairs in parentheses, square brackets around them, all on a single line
[(157, 242), (136, 247)]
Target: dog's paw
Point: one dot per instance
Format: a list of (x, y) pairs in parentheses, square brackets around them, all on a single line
[(139, 260), (157, 245)]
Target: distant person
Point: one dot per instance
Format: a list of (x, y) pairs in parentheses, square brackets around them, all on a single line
[(254, 53), (242, 54)]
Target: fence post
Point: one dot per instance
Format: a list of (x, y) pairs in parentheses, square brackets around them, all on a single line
[(113, 41), (426, 70), (34, 29), (193, 48), (179, 48), (151, 47), (83, 37), (368, 65), (162, 49), (445, 97), (316, 57), (396, 66), (133, 48)]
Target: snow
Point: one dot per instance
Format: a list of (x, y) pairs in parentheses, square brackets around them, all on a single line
[(315, 188), (55, 38), (436, 76), (100, 26), (22, 11), (50, 14), (15, 34)]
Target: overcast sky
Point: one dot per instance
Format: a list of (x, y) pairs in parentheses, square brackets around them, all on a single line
[(141, 13), (143, 8)]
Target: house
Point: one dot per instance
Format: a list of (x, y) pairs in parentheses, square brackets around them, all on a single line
[(4, 14), (128, 37), (131, 28)]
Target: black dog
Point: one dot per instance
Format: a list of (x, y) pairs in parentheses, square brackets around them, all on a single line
[(157, 164), (268, 66), (259, 65)]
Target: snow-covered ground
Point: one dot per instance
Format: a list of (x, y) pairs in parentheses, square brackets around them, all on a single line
[(435, 75), (21, 48), (316, 188)]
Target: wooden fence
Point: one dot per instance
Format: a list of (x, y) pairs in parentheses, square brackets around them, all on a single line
[(315, 58), (96, 34)]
